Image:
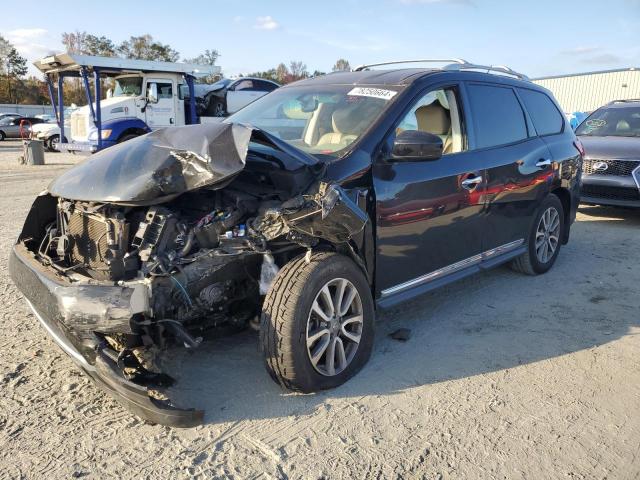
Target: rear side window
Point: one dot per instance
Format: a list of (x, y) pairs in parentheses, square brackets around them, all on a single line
[(265, 86), (498, 118), (546, 117)]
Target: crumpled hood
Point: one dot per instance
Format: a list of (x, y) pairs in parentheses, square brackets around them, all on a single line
[(165, 163)]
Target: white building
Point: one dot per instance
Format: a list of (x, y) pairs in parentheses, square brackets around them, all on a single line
[(584, 92)]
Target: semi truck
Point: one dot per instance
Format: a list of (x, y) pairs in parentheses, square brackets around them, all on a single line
[(144, 96)]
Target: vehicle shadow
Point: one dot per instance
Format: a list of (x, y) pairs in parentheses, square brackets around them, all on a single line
[(630, 216), (493, 321)]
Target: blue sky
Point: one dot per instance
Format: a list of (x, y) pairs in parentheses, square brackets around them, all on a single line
[(538, 37)]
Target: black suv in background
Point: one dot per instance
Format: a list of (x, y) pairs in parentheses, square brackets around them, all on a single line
[(311, 207), (611, 139)]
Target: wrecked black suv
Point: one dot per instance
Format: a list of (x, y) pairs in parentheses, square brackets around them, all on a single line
[(299, 215)]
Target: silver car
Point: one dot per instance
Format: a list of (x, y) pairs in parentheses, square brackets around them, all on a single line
[(6, 117), (611, 169), (11, 129)]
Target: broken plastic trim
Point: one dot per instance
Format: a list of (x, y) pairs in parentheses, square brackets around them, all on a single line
[(330, 214)]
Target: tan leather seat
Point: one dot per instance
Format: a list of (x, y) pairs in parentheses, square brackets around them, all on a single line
[(344, 124), (434, 118)]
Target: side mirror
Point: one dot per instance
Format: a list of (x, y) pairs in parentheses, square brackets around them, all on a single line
[(416, 145), (109, 93), (152, 93)]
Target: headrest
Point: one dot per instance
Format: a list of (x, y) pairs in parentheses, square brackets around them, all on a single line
[(623, 126), (433, 118), (344, 120)]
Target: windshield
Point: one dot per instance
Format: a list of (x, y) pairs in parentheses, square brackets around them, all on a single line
[(221, 83), (615, 122), (128, 87), (318, 119)]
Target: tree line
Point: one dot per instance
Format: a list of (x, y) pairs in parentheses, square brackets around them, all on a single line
[(296, 70), (16, 87)]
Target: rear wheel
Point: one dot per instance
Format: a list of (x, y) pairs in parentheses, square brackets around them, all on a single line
[(317, 324), (2, 135), (545, 239)]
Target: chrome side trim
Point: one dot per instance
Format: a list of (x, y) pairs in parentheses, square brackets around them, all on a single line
[(62, 343), (502, 249), (455, 267)]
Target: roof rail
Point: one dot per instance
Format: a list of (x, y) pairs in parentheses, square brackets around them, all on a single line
[(625, 100), (458, 61), (488, 69), (454, 64)]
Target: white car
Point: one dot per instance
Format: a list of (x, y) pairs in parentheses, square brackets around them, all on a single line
[(227, 96), (49, 132)]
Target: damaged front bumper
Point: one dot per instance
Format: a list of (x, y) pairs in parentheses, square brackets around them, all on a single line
[(71, 314)]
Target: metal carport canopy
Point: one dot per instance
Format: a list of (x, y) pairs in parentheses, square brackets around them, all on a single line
[(68, 62)]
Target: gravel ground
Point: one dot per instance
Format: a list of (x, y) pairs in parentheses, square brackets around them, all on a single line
[(505, 376)]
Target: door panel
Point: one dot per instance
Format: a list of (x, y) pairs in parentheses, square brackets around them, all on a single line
[(163, 113), (242, 93), (426, 220), (518, 163), (515, 187), (239, 99)]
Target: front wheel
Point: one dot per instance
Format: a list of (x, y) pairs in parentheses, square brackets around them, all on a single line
[(126, 137), (544, 240), (218, 109), (2, 135), (317, 324), (52, 143)]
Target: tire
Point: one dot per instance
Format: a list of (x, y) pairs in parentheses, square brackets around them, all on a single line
[(2, 136), (288, 317), (126, 137), (532, 262), (52, 142), (218, 109)]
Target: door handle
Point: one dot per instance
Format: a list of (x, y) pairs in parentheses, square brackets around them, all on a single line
[(543, 162), (472, 182)]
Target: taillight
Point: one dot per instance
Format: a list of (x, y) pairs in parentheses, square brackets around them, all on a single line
[(578, 144)]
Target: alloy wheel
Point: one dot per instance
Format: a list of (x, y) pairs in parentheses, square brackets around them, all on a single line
[(334, 327), (547, 235)]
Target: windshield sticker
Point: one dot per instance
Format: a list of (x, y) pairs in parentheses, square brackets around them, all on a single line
[(596, 123), (372, 92)]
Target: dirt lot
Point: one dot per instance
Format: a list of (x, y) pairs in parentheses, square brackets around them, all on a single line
[(505, 376)]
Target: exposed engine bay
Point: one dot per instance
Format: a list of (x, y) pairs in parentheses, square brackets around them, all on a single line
[(196, 258)]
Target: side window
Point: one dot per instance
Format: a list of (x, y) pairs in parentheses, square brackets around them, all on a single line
[(265, 86), (437, 112), (244, 85), (546, 117), (183, 91), (498, 118), (165, 90)]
